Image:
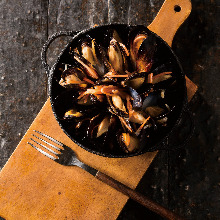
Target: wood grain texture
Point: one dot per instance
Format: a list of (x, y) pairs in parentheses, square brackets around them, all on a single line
[(74, 15), (138, 197), (171, 15), (185, 181), (34, 186), (22, 83), (143, 12)]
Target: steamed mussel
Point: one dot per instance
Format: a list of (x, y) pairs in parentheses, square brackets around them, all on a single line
[(122, 91)]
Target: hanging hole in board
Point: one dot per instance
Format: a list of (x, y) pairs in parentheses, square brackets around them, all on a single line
[(177, 8)]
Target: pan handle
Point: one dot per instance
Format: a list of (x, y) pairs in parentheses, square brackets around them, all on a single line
[(47, 44), (171, 15)]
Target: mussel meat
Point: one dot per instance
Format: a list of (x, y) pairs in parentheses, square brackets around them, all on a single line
[(129, 142), (120, 96)]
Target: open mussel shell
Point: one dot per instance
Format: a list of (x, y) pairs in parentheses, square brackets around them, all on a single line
[(73, 113), (112, 34), (93, 126), (139, 82), (164, 80), (128, 142), (108, 138), (70, 110), (73, 77), (136, 37), (155, 104), (159, 112), (96, 55), (118, 105), (116, 56), (138, 117), (136, 98), (106, 81), (152, 99), (101, 131), (86, 50), (92, 100), (103, 127), (86, 66), (118, 52), (145, 55), (102, 65), (135, 80)]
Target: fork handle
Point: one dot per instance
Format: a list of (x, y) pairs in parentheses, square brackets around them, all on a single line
[(138, 197)]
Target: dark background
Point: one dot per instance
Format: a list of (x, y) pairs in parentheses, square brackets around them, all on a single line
[(186, 181)]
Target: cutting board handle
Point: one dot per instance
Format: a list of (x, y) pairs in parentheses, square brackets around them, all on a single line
[(171, 15)]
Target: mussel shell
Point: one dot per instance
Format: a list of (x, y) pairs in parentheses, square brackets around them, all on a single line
[(146, 53), (152, 99), (103, 126), (137, 100), (128, 142), (73, 113), (138, 117), (139, 82), (166, 83), (87, 52), (102, 64), (114, 33), (95, 54), (135, 80), (117, 110), (94, 124), (135, 42), (165, 67), (73, 74), (85, 40), (106, 81), (119, 61), (90, 100), (109, 139), (86, 66), (116, 56)]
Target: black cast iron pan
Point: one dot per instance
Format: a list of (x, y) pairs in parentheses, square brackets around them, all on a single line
[(159, 140)]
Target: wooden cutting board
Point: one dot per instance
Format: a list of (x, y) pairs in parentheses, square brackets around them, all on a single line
[(34, 187)]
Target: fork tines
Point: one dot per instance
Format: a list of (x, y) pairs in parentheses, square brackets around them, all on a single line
[(44, 146)]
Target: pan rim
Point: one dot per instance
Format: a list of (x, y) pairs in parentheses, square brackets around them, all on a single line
[(183, 106)]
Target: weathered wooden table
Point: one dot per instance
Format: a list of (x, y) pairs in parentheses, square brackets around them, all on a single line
[(186, 181)]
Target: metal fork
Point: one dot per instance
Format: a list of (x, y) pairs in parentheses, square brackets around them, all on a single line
[(67, 157)]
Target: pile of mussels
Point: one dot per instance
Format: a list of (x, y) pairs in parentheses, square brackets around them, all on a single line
[(120, 97)]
